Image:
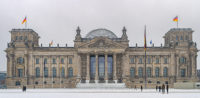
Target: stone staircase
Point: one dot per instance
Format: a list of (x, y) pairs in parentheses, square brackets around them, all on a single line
[(101, 85)]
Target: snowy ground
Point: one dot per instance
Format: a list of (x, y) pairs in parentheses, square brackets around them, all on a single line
[(97, 93)]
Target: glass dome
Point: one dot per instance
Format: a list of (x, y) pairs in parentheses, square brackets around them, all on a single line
[(101, 32)]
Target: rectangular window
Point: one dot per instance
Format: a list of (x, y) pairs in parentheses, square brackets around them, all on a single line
[(149, 61), (132, 61), (37, 61), (165, 61), (140, 61), (45, 61), (182, 72), (16, 37), (182, 60), (45, 72), (70, 60), (62, 61), (140, 72), (157, 60), (176, 37), (54, 61), (20, 37), (25, 38), (20, 72)]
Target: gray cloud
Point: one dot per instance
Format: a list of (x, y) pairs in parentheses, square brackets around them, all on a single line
[(57, 19)]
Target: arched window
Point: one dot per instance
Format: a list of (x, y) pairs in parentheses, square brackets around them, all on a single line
[(45, 72), (54, 72), (165, 72), (63, 72), (148, 71), (70, 72), (132, 72), (20, 60), (140, 72), (157, 72), (37, 72)]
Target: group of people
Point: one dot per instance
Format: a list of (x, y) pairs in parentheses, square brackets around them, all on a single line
[(162, 88), (158, 88)]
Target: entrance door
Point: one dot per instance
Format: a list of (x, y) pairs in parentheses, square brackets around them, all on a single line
[(101, 67)]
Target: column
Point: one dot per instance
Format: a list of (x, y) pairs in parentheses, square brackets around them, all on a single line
[(66, 67), (114, 67), (9, 65), (41, 65), (177, 66), (172, 67), (96, 74), (193, 65), (106, 67), (88, 67)]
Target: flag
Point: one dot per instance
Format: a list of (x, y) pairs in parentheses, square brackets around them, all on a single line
[(24, 20), (145, 43), (175, 19), (151, 42), (51, 43)]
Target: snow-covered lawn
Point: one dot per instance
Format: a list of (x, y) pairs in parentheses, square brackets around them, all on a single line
[(98, 93)]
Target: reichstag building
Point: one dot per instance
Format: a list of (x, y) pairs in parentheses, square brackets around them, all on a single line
[(100, 57)]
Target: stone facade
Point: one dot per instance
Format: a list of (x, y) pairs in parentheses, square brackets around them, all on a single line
[(100, 57)]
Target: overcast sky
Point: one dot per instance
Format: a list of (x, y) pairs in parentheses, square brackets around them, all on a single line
[(57, 20)]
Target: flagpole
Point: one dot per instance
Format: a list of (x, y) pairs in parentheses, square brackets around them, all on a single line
[(177, 24), (145, 59), (60, 77), (60, 72), (52, 74), (43, 72), (26, 23), (177, 20)]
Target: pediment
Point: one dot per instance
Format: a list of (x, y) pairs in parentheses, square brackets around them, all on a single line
[(101, 43)]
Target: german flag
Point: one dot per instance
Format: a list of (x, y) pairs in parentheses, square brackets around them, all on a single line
[(24, 20), (175, 19)]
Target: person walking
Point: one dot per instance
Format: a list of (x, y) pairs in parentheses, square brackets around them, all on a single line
[(23, 88), (156, 87), (163, 88), (159, 88), (135, 87), (141, 88), (167, 88)]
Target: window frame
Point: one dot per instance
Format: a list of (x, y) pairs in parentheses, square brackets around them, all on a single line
[(157, 72)]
